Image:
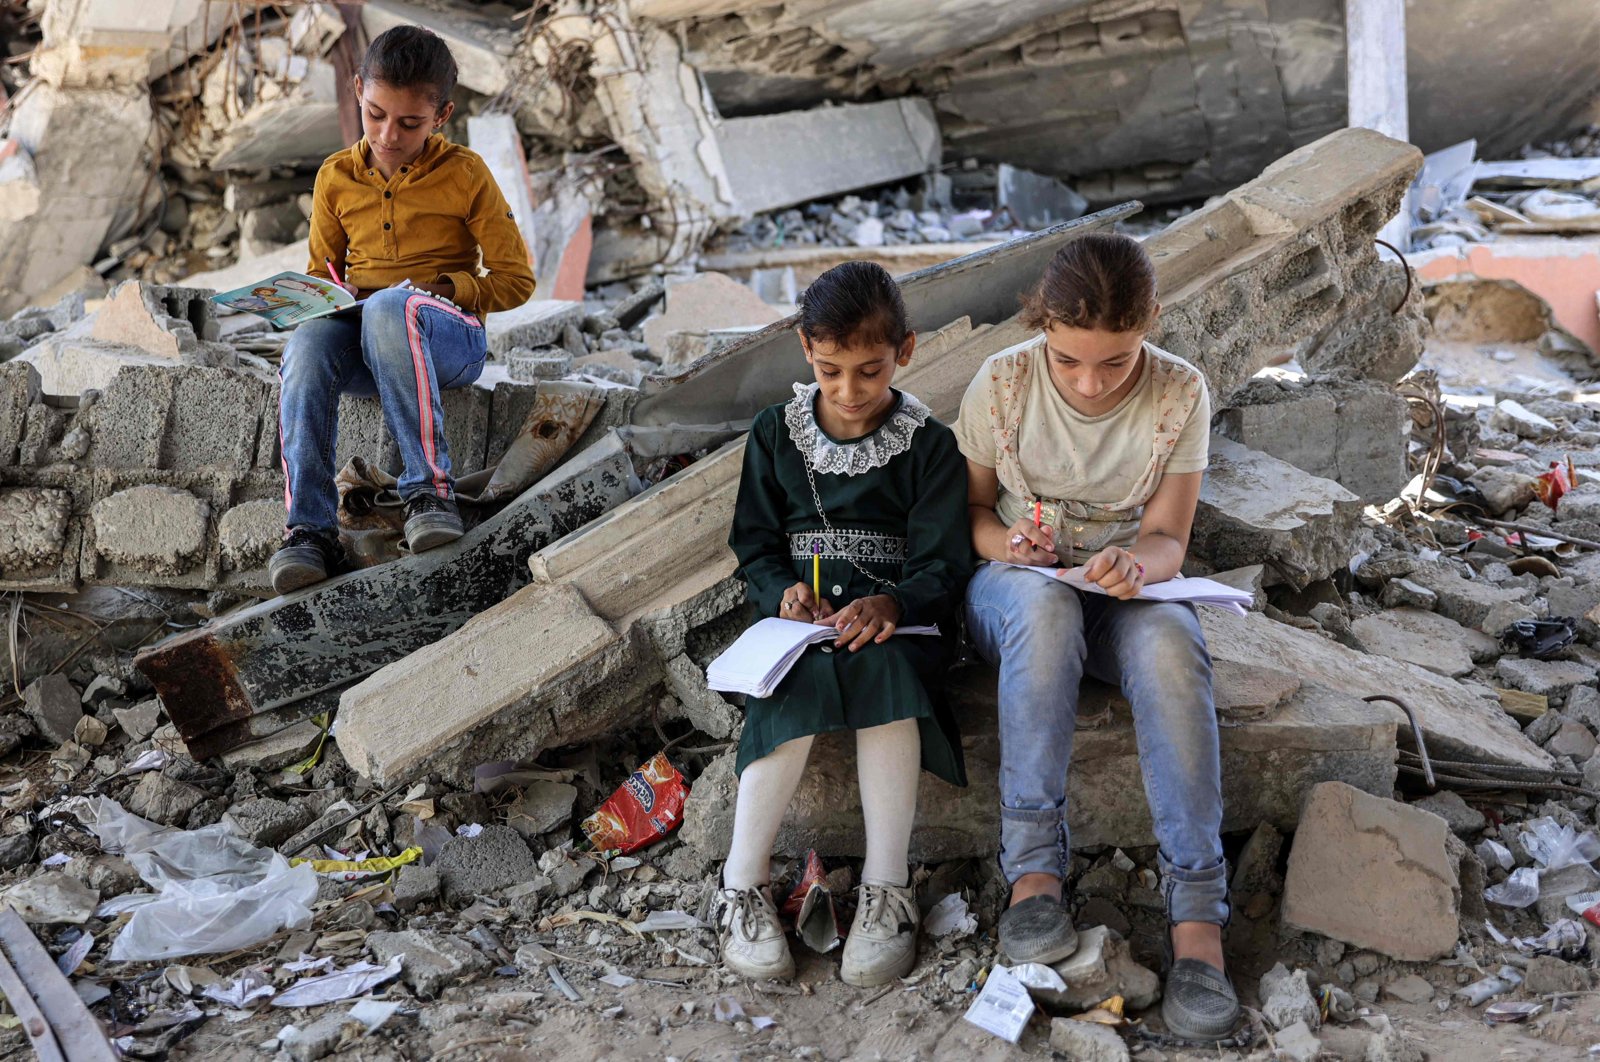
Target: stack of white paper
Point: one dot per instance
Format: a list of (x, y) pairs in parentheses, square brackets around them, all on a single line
[(1197, 590), (763, 655)]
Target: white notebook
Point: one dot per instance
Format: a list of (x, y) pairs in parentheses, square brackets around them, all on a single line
[(1200, 591), (762, 655)]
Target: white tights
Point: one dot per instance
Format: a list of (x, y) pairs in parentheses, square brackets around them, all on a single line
[(888, 766)]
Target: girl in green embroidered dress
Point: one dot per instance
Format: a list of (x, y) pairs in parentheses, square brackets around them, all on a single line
[(864, 475)]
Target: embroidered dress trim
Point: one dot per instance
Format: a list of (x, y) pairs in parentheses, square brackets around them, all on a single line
[(892, 438), (865, 547)]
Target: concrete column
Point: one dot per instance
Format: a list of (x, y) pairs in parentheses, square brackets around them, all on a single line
[(1375, 72)]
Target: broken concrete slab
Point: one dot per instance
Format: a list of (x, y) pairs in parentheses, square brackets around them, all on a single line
[(478, 866), (536, 323), (701, 303), (164, 800), (1469, 602), (54, 706), (1552, 679), (431, 960), (259, 659), (1255, 508), (155, 529), (779, 160), (1269, 766), (34, 529), (1353, 432), (1426, 639), (1375, 874)]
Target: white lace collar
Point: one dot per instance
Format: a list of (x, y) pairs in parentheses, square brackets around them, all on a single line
[(892, 438)]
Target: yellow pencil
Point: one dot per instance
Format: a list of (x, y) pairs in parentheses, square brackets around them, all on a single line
[(816, 572)]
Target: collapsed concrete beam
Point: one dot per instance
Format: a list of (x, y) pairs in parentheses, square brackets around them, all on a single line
[(779, 160), (1292, 717), (290, 648), (1269, 766), (482, 47)]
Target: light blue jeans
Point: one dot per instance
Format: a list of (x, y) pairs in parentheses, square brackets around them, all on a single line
[(1044, 636), (404, 346)]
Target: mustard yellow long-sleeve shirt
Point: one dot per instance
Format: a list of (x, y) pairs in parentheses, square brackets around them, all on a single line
[(427, 223)]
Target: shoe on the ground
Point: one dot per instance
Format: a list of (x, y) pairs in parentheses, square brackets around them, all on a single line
[(1199, 1002), (882, 944), (753, 944), (305, 558), (431, 521), (1038, 929)]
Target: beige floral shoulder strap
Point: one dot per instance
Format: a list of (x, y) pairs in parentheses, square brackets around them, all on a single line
[(1177, 385)]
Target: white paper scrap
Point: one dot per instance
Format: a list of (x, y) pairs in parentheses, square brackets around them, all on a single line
[(656, 921), (950, 915), (1038, 975), (372, 1013), (1003, 1007), (354, 980), (73, 957)]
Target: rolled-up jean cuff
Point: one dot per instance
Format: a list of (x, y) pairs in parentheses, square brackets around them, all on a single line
[(1032, 841), (1195, 895)]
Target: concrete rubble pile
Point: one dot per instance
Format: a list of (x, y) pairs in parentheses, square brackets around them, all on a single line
[(1410, 711)]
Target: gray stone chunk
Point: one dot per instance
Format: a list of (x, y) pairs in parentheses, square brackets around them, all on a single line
[(534, 324), (1552, 678), (1543, 728), (1298, 1043), (267, 822), (432, 960), (415, 885), (19, 389), (477, 866), (319, 1039), (1409, 988), (250, 533), (1467, 601), (1086, 1041), (140, 721), (1102, 967), (1403, 593), (1463, 821), (1426, 639), (50, 898), (54, 706), (33, 527), (1581, 505), (1287, 998), (544, 806), (164, 800), (15, 850), (152, 529), (1583, 706), (1571, 739), (1548, 974)]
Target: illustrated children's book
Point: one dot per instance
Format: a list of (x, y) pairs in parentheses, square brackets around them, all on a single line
[(289, 298)]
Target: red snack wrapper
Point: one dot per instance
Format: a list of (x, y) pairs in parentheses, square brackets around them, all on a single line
[(1551, 485), (644, 809)]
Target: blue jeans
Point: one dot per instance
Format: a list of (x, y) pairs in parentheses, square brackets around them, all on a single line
[(1044, 636), (404, 346)]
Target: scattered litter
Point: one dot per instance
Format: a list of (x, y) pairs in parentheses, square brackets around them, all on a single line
[(1564, 938), (726, 1008), (354, 980), (305, 963), (617, 980), (1493, 852), (216, 891), (60, 859), (951, 916), (1480, 992), (372, 1013), (1037, 975), (148, 760), (249, 985), (644, 809), (1509, 1011), (73, 957), (1540, 639), (810, 905), (359, 869), (469, 829), (1003, 1007), (563, 984), (1519, 890), (1555, 847), (660, 921)]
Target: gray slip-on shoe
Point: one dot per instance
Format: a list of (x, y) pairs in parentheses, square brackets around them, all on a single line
[(306, 558), (1038, 929), (431, 521), (1199, 1002)]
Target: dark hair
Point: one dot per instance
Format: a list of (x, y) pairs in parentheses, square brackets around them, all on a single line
[(411, 57), (1102, 281), (854, 304)]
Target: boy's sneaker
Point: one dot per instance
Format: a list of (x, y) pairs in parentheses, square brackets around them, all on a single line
[(431, 521), (306, 557), (753, 945), (882, 944)]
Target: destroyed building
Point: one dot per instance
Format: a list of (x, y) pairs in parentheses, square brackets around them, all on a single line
[(390, 769)]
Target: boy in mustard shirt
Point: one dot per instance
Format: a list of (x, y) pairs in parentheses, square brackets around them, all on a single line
[(403, 218)]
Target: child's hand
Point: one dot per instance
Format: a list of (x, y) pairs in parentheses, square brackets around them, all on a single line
[(1117, 571), (351, 288), (867, 619), (799, 603), (1031, 545)]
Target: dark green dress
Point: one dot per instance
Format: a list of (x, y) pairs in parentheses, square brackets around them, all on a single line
[(897, 501)]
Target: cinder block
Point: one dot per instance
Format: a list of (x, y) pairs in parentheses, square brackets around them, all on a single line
[(19, 388), (201, 568), (509, 407), (215, 419), (466, 427), (130, 420)]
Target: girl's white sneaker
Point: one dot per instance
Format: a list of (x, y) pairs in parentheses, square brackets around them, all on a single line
[(883, 939), (753, 944)]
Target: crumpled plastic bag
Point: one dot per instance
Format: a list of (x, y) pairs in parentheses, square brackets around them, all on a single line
[(216, 892), (1554, 846), (1519, 890)]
